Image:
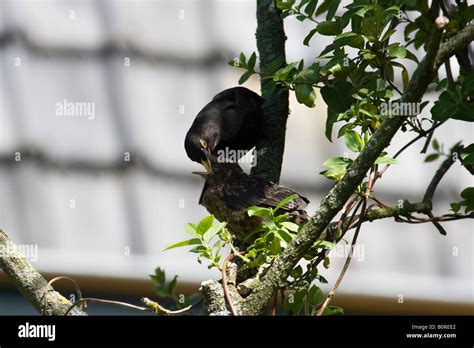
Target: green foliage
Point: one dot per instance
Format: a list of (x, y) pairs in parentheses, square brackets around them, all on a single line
[(455, 104), (269, 240), (359, 74), (166, 290), (467, 158), (337, 167), (163, 288), (467, 202), (208, 240), (355, 87), (273, 235), (248, 65)]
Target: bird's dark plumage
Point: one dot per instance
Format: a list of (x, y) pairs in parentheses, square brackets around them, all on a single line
[(231, 191), (232, 120)]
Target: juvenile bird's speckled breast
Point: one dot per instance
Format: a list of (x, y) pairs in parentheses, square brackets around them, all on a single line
[(239, 222)]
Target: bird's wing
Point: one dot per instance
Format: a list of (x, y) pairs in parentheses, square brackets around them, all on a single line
[(240, 196)]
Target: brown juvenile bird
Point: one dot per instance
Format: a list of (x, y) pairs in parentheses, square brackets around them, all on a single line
[(231, 191)]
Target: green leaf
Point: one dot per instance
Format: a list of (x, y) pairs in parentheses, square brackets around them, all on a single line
[(290, 226), (323, 244), (432, 157), (392, 11), (308, 76), (159, 277), (444, 108), (455, 207), (192, 241), (334, 4), (315, 296), (308, 37), (405, 78), (326, 262), (465, 112), (252, 61), (311, 7), (191, 229), (350, 39), (246, 75), (204, 225), (212, 231), (435, 145), (386, 160), (411, 3), (397, 51), (283, 73), (468, 194), (330, 120), (294, 302), (336, 161), (285, 201), (323, 7), (283, 236), (297, 272), (259, 211), (353, 141), (332, 310), (337, 96), (305, 94), (172, 284), (467, 89), (329, 28), (335, 173), (242, 58), (283, 5), (467, 158)]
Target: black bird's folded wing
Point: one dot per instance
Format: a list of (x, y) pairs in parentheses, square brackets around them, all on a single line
[(240, 196)]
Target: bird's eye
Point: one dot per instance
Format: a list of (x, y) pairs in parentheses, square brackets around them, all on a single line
[(203, 143)]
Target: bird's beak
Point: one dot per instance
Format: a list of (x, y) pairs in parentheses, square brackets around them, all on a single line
[(206, 164), (203, 174)]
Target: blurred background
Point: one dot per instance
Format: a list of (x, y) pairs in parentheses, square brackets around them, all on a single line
[(97, 194)]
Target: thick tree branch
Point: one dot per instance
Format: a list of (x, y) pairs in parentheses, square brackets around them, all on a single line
[(455, 44), (30, 283), (222, 299), (341, 192), (271, 48)]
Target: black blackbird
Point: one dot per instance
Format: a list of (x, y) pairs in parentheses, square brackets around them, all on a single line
[(232, 120), (231, 191)]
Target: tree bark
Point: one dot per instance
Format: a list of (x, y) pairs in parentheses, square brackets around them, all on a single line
[(30, 282), (271, 48)]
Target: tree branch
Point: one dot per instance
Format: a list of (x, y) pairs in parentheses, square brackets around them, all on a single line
[(30, 282), (447, 163), (271, 47), (316, 228), (455, 44)]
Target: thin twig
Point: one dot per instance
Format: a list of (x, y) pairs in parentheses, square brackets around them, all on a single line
[(275, 302), (407, 145), (151, 305), (225, 285), (49, 287), (428, 197), (344, 269)]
